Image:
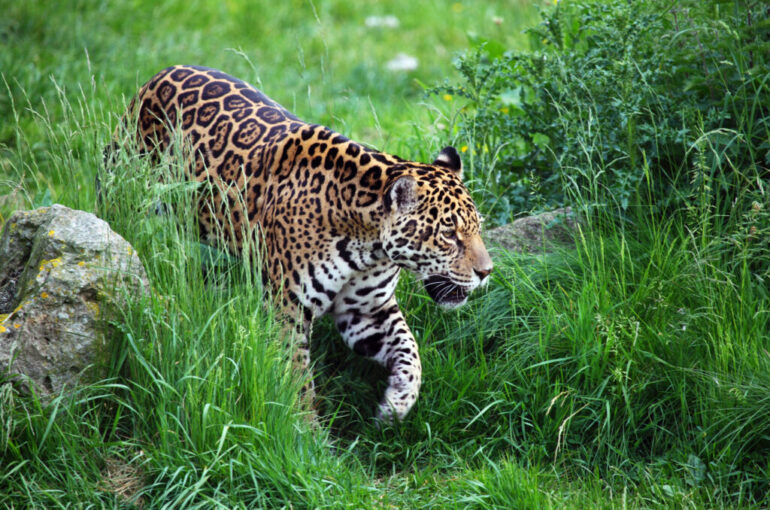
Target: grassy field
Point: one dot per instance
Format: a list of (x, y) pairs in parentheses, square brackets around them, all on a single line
[(632, 370), (65, 81)]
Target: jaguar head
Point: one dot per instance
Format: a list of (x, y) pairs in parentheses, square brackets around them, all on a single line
[(432, 228)]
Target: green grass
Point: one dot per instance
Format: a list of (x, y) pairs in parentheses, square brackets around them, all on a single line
[(629, 371), (65, 82)]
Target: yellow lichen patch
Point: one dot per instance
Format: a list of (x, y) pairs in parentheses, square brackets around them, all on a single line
[(2, 329), (49, 264), (94, 308), (17, 325), (51, 233), (44, 295), (81, 263)]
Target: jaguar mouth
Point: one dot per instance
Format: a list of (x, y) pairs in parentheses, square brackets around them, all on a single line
[(445, 292)]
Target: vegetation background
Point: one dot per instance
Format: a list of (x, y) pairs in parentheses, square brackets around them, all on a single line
[(631, 370)]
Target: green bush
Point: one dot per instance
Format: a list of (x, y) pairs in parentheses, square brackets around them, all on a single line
[(616, 97)]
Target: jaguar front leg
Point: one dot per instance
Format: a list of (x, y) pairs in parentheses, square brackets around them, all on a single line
[(383, 336)]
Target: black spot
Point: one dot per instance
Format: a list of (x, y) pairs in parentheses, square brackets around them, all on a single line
[(181, 74), (215, 89), (231, 166), (307, 133), (206, 113), (365, 291), (381, 158), (270, 115), (371, 178), (348, 172), (348, 192), (194, 82), (166, 92), (248, 133), (329, 162), (235, 101), (188, 116), (316, 182), (368, 346), (352, 150), (187, 98)]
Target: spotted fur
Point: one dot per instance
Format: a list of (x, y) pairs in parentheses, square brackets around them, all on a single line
[(335, 220)]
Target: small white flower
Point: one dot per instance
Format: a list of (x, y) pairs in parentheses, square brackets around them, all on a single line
[(388, 21), (402, 62)]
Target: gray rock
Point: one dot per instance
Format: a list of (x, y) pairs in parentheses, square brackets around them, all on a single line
[(60, 272), (535, 234)]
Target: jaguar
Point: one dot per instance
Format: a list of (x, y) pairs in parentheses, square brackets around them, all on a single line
[(334, 221)]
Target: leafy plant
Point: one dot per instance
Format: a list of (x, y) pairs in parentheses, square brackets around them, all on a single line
[(616, 93)]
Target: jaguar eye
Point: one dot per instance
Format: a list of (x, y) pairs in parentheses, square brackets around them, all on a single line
[(450, 234)]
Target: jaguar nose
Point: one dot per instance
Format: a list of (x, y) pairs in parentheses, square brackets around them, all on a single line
[(483, 273), (482, 263)]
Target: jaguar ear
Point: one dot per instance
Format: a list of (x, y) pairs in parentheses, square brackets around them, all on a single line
[(402, 195), (449, 158)]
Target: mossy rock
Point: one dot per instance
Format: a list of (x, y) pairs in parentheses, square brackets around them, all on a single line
[(61, 269)]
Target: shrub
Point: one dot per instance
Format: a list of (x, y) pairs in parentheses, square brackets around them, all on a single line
[(617, 97)]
